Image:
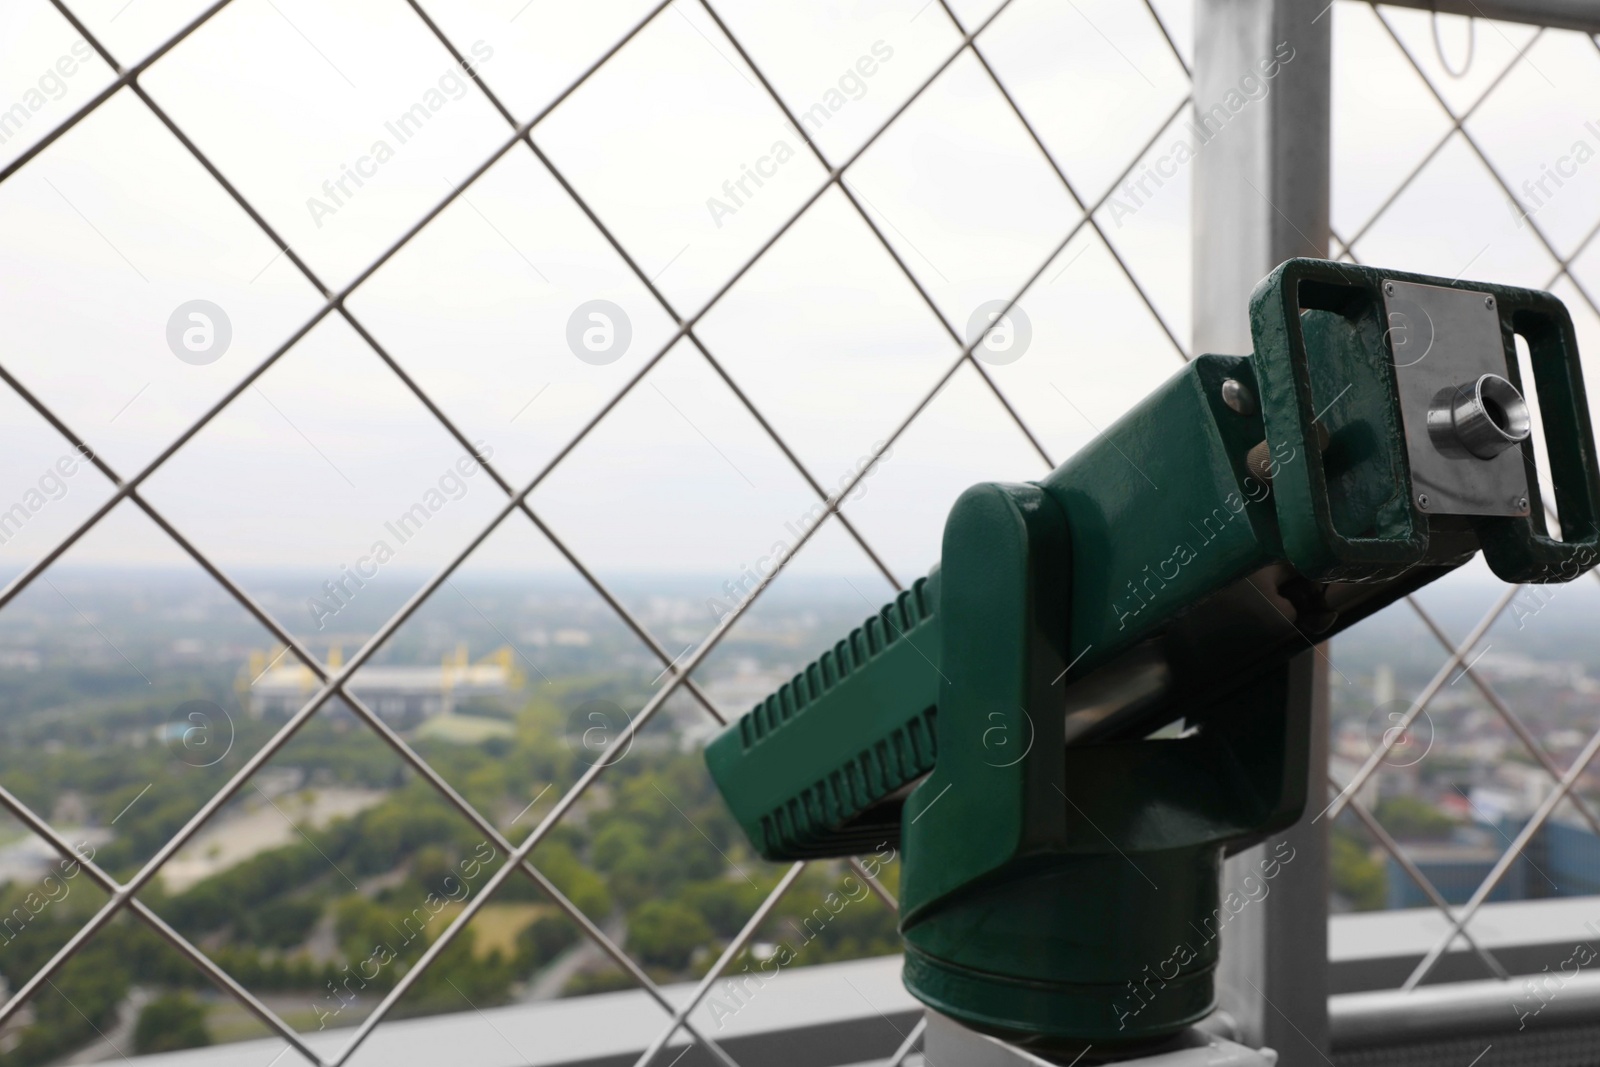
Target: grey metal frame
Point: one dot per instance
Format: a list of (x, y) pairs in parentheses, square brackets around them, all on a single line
[(1393, 1017), (1556, 14)]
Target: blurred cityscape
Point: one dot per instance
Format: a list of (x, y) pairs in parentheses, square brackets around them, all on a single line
[(130, 696), (1462, 781)]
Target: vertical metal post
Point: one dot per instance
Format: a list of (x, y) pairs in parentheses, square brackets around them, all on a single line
[(1261, 161), (1273, 979), (1261, 134)]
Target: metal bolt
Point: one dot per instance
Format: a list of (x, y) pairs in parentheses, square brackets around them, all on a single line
[(1239, 397), (1422, 501), (1522, 503), (1488, 302), (1388, 288)]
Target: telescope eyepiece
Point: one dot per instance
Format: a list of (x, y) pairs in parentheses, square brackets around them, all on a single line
[(1480, 419)]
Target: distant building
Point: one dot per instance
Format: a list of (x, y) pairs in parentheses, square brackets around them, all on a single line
[(402, 695), (1456, 869), (1569, 853), (1562, 859)]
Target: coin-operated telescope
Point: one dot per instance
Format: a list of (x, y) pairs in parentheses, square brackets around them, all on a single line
[(1101, 690)]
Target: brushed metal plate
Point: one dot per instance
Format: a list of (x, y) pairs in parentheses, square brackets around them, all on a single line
[(1441, 338)]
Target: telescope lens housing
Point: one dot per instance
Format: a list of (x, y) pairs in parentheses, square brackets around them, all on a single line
[(1481, 419)]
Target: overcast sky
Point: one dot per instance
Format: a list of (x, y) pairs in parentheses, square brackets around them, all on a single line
[(113, 228)]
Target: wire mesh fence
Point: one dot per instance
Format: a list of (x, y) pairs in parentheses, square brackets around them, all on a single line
[(1089, 226), (1118, 204), (1466, 185)]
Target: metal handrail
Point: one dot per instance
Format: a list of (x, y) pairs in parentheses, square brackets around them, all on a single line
[(1558, 14), (1462, 1009)]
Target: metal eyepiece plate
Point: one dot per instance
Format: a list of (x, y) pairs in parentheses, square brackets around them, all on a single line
[(1441, 340)]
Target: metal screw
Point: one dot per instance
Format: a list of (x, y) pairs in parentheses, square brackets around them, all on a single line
[(1488, 302), (1422, 501), (1239, 397), (1388, 288), (1522, 503)]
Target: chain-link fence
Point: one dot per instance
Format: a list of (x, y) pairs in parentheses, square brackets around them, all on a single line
[(973, 58), (1479, 129), (1107, 205)]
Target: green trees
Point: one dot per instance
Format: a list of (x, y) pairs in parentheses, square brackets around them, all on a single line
[(724, 903), (542, 940), (666, 933), (85, 993), (580, 884), (651, 847), (1409, 819), (1354, 873), (171, 1022), (459, 979)]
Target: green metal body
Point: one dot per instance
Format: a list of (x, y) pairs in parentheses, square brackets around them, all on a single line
[(1061, 866)]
